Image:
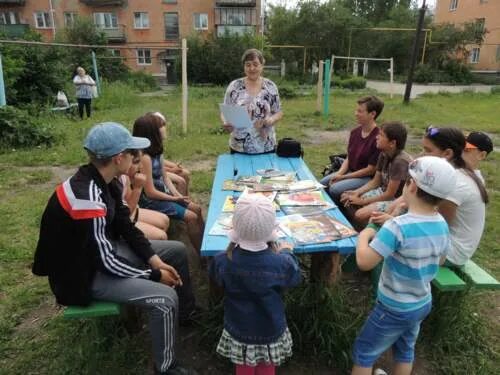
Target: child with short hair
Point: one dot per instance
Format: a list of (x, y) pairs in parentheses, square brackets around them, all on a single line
[(254, 272), (412, 247), (390, 175)]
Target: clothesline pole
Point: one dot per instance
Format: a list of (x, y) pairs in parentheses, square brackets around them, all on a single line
[(97, 82), (184, 87), (326, 89), (3, 102)]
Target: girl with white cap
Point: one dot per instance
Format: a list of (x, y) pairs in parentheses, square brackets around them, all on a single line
[(254, 273)]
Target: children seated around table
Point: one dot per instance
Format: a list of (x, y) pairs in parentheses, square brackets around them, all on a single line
[(465, 208), (389, 178), (412, 246), (153, 224), (359, 166), (159, 193), (254, 273)]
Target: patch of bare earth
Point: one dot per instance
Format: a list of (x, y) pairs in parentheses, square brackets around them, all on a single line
[(37, 317)]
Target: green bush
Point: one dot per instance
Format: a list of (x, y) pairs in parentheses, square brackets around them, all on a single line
[(287, 91), (457, 72), (352, 83), (142, 81), (424, 74), (18, 130)]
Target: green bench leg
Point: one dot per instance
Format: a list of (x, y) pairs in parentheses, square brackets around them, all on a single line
[(478, 277), (447, 280), (95, 309)]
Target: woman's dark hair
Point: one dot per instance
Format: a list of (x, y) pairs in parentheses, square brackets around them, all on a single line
[(453, 139), (148, 126), (395, 131), (372, 104), (251, 54)]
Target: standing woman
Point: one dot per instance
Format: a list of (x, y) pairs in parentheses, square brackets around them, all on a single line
[(260, 97), (84, 90)]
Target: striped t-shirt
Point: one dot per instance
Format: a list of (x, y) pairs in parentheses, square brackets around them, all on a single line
[(412, 246)]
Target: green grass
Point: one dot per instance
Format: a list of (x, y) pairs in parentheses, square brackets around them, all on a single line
[(31, 342)]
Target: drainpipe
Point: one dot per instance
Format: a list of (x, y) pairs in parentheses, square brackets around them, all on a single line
[(53, 19)]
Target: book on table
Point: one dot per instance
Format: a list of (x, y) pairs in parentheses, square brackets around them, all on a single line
[(307, 210), (303, 198), (230, 201)]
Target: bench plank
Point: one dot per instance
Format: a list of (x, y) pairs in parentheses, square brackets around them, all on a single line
[(95, 309), (479, 277), (447, 280)]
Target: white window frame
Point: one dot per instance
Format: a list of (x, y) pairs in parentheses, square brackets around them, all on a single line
[(45, 16), (70, 16), (453, 5), (498, 53), (116, 52), (142, 58), (9, 18), (200, 21), (474, 55), (141, 22), (106, 20)]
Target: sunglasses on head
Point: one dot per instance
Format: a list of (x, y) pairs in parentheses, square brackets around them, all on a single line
[(431, 131)]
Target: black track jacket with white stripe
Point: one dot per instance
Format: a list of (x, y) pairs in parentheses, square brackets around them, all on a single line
[(82, 220)]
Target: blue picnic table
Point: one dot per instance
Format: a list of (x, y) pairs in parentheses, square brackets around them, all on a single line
[(230, 166)]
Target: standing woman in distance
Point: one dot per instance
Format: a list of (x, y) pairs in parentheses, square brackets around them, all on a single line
[(84, 91), (261, 99)]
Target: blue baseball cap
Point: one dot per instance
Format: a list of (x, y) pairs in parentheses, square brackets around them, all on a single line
[(110, 138)]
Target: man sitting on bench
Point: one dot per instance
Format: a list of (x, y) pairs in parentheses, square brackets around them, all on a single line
[(89, 248)]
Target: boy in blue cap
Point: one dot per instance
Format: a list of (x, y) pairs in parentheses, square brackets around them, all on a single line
[(412, 246), (89, 249)]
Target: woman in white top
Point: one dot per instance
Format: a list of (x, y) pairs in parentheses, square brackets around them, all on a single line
[(85, 87), (464, 209)]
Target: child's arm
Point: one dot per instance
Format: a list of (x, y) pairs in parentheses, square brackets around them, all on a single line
[(387, 195), (294, 276), (149, 187), (354, 196), (132, 195), (366, 257), (448, 210)]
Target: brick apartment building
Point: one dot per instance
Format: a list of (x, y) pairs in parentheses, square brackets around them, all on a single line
[(136, 24), (486, 57)]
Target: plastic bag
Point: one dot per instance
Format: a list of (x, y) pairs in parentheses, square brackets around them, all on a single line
[(61, 99), (94, 91)]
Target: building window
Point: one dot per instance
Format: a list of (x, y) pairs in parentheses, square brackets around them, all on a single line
[(483, 1), (9, 18), (200, 21), (453, 4), (141, 20), (69, 18), (115, 52), (143, 56), (170, 1), (106, 20), (43, 20), (498, 53), (474, 55), (171, 26)]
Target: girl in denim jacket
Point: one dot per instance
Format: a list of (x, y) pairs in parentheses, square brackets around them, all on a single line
[(254, 273)]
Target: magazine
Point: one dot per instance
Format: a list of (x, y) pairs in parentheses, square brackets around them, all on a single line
[(222, 225), (229, 203), (286, 177), (302, 230), (275, 186), (304, 185), (232, 186), (305, 198), (247, 180), (342, 228), (267, 173), (306, 210)]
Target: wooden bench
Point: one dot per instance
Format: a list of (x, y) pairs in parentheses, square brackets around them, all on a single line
[(69, 110), (470, 275), (95, 309)]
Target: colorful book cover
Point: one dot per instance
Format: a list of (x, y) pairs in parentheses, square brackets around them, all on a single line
[(268, 173), (247, 180), (229, 203), (286, 177), (310, 231), (306, 210), (276, 186), (222, 225), (231, 186), (304, 198), (343, 229), (305, 185)]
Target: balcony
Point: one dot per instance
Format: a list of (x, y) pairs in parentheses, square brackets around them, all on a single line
[(12, 2), (115, 35), (14, 31), (235, 3), (229, 16), (103, 3)]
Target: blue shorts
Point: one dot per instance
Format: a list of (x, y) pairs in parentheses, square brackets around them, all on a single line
[(171, 209), (385, 328)]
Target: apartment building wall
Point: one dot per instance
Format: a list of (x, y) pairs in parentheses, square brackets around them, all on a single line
[(148, 48), (487, 56)]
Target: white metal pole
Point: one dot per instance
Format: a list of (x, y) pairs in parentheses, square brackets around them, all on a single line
[(392, 77), (53, 19), (319, 88), (184, 86)]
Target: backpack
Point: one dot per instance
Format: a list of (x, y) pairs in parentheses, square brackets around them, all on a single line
[(335, 164), (289, 148)]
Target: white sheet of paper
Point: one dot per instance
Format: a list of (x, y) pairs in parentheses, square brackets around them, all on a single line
[(236, 115)]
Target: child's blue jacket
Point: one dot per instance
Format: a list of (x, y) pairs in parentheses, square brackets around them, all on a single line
[(253, 282)]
